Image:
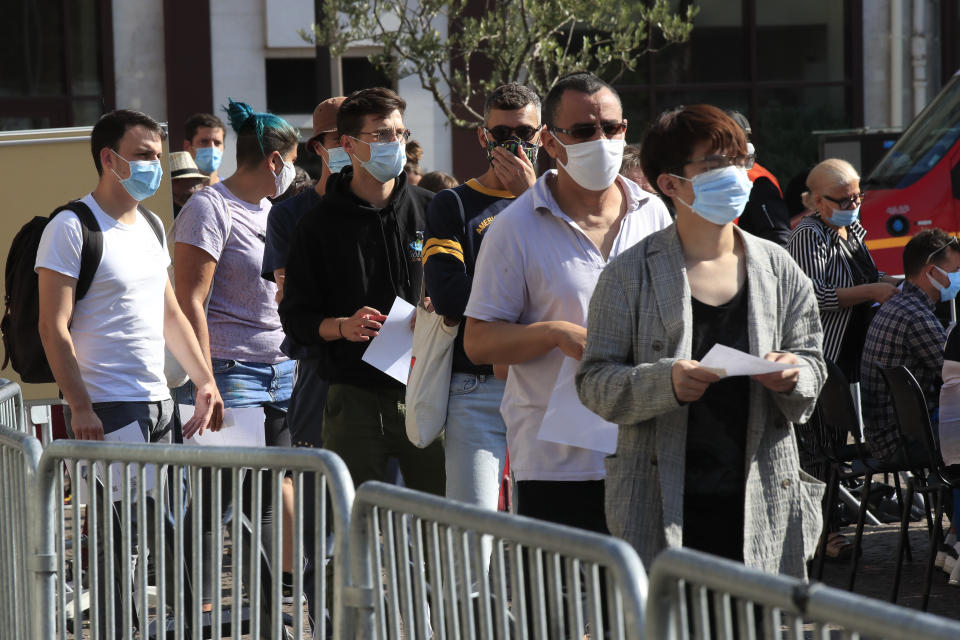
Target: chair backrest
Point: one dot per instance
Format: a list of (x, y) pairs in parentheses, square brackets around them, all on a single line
[(835, 410), (910, 407)]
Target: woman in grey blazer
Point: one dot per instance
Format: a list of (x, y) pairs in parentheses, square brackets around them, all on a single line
[(703, 461)]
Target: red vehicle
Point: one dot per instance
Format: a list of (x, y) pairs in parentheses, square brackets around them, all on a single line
[(916, 186)]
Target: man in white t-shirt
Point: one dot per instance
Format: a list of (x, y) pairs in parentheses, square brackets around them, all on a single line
[(106, 349), (537, 269)]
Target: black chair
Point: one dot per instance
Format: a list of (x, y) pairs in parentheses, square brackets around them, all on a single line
[(918, 438), (837, 423)]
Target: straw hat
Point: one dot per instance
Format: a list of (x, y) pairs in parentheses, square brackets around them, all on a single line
[(183, 166)]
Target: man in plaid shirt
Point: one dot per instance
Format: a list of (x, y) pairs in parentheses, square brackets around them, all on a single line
[(906, 331)]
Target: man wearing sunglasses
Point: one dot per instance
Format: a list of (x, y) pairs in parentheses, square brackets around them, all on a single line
[(906, 331), (457, 219), (534, 277)]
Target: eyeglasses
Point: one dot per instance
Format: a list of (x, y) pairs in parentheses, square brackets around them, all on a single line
[(848, 203), (502, 133), (588, 130), (721, 161), (952, 241), (386, 134)]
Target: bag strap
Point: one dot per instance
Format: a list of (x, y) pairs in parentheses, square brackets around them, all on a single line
[(153, 221), (91, 250)]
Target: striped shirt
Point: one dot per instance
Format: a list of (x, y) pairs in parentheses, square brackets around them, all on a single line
[(905, 331), (818, 249)]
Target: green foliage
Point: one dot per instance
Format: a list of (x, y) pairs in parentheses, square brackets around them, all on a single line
[(534, 42)]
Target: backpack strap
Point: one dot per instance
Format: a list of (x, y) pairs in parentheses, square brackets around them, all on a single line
[(91, 250), (154, 222)]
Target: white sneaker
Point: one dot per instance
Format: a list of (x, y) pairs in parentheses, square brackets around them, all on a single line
[(954, 580)]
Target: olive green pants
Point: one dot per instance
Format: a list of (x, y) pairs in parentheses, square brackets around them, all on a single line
[(365, 427)]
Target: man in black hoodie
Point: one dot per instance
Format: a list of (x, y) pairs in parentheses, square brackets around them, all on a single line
[(350, 258)]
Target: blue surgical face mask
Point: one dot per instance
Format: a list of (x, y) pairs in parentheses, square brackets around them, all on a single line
[(843, 217), (719, 195), (208, 159), (950, 291), (338, 159), (145, 176), (386, 159)]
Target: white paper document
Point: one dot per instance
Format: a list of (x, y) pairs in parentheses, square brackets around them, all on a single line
[(242, 427), (568, 422), (392, 349), (132, 433), (726, 362)]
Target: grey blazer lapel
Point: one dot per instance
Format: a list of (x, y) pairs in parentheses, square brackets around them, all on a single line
[(668, 276)]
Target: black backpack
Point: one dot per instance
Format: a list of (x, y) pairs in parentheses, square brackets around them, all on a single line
[(21, 335)]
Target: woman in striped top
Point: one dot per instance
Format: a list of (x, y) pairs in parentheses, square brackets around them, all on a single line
[(829, 247)]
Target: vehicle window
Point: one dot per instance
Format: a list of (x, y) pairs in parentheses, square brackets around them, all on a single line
[(923, 144)]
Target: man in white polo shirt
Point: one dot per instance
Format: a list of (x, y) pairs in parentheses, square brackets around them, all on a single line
[(537, 269)]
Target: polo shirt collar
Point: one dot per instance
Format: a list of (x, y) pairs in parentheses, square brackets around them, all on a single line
[(544, 201)]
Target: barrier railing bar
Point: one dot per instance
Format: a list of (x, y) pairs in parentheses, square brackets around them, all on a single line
[(779, 596)]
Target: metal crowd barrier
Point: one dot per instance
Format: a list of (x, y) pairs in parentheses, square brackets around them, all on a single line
[(19, 459), (419, 567), (164, 487), (11, 406), (695, 595)]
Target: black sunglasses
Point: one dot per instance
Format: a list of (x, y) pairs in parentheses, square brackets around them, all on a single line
[(502, 133), (588, 130), (847, 203)]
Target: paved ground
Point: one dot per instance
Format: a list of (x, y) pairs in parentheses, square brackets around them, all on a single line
[(877, 565)]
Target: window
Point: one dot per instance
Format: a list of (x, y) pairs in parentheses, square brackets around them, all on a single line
[(292, 82), (790, 67), (56, 70), (922, 145)]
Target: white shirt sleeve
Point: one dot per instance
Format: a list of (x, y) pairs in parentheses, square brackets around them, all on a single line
[(499, 289), (60, 245)]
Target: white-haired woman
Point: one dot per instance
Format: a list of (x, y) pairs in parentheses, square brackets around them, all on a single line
[(829, 248)]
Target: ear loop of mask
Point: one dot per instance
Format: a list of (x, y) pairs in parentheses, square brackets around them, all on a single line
[(689, 205)]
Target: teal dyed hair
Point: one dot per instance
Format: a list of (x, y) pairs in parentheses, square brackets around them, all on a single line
[(258, 134)]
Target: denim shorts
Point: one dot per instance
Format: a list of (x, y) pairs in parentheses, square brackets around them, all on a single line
[(248, 384)]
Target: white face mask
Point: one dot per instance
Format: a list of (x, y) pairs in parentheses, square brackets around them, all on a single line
[(593, 165), (284, 179)]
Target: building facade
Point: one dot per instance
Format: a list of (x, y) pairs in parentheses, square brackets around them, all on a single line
[(791, 67)]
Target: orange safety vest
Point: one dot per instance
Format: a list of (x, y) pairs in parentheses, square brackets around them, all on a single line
[(759, 171)]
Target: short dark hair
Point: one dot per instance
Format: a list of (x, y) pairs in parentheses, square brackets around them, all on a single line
[(438, 180), (199, 121), (259, 134), (670, 140), (376, 101), (510, 97), (631, 158), (582, 82), (918, 250), (112, 126)]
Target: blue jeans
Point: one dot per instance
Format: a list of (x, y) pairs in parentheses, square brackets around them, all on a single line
[(475, 440), (247, 384)]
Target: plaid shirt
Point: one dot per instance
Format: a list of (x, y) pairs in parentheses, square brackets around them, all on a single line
[(905, 331)]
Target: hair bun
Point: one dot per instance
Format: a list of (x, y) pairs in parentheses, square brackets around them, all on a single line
[(238, 113)]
